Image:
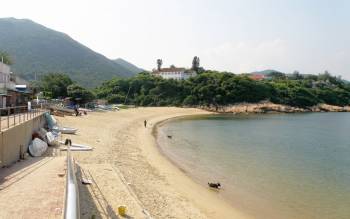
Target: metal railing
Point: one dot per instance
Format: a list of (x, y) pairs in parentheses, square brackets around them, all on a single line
[(12, 116), (71, 208)]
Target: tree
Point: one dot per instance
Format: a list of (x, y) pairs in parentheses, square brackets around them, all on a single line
[(302, 97), (35, 86), (5, 58), (213, 88), (159, 64), (54, 85), (116, 98), (277, 75), (297, 76), (195, 63), (79, 94)]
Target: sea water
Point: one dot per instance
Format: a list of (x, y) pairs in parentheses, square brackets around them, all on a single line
[(271, 165)]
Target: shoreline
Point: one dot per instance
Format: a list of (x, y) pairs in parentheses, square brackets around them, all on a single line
[(222, 208), (277, 191), (265, 107), (172, 161), (155, 134), (235, 203), (122, 146)]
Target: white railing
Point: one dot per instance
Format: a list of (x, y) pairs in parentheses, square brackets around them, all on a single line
[(72, 208), (11, 116)]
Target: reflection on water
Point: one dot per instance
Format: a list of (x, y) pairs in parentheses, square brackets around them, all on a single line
[(289, 166)]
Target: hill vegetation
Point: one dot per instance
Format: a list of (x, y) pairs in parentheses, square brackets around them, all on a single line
[(217, 88), (266, 72), (56, 86), (127, 65), (5, 58), (37, 50)]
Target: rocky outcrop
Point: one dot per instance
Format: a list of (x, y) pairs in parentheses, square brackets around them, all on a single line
[(268, 107), (330, 108)]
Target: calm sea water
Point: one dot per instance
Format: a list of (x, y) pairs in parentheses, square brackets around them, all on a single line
[(271, 166)]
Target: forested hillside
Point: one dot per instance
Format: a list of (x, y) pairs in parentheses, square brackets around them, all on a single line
[(216, 88), (38, 50)]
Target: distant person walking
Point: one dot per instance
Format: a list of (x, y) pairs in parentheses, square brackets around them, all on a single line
[(76, 110), (145, 123)]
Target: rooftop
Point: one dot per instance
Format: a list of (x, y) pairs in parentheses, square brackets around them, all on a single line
[(170, 70), (174, 69)]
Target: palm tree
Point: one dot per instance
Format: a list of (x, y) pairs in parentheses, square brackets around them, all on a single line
[(195, 63), (159, 64)]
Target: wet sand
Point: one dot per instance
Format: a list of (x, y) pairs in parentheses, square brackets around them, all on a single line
[(127, 168)]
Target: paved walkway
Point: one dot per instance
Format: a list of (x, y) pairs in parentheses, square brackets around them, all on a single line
[(34, 188)]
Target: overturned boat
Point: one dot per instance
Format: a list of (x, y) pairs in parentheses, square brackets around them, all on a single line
[(52, 124)]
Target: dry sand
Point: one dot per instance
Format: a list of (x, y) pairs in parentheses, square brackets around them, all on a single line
[(126, 167)]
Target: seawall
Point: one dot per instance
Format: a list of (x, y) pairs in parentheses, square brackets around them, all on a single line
[(15, 140)]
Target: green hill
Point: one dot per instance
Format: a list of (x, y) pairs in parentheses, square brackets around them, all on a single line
[(37, 50), (132, 68), (266, 72)]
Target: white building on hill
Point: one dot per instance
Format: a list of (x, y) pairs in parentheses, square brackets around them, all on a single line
[(174, 73)]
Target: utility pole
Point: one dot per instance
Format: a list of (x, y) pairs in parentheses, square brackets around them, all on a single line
[(127, 95)]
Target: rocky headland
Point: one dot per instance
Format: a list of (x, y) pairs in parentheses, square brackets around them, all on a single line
[(268, 107)]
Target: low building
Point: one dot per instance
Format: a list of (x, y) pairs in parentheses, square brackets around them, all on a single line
[(14, 91), (257, 77), (174, 73)]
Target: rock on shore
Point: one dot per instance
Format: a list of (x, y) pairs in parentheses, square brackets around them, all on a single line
[(268, 107)]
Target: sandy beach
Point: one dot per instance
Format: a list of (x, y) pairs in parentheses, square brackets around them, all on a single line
[(127, 168)]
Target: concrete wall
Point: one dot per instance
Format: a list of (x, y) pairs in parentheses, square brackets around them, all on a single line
[(5, 69), (15, 140)]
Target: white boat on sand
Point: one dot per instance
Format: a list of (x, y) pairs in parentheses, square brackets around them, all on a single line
[(65, 130), (77, 147)]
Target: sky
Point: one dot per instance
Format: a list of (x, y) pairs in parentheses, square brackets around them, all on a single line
[(309, 36)]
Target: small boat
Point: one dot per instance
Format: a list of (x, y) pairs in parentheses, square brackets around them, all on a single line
[(84, 110), (65, 130), (75, 148), (76, 145)]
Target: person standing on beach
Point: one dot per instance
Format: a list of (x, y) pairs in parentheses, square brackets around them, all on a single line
[(145, 123)]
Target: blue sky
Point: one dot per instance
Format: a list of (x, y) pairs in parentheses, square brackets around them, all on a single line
[(238, 36)]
